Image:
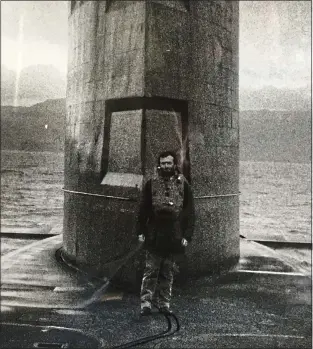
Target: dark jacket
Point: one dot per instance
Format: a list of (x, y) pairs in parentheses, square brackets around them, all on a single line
[(163, 236)]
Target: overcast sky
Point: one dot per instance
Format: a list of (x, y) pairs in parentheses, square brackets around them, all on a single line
[(275, 39)]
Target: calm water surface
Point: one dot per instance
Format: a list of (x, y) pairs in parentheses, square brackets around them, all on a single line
[(275, 201)]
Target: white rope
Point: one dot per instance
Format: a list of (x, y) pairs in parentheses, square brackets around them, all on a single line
[(130, 199), (216, 196), (98, 195)]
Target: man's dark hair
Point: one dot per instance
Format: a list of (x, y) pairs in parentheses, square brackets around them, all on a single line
[(166, 153)]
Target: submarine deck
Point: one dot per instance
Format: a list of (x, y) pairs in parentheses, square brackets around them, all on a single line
[(265, 302)]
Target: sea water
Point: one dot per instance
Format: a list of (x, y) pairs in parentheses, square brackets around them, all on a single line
[(275, 199)]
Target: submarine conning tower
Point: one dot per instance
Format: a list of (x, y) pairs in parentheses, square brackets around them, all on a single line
[(143, 77)]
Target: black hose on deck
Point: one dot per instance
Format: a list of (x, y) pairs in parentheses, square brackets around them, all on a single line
[(168, 332), (148, 339)]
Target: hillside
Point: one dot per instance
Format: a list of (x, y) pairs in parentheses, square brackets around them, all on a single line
[(275, 136), (36, 128), (264, 135)]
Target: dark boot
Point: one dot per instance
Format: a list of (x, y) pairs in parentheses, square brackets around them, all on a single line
[(165, 311), (145, 311)]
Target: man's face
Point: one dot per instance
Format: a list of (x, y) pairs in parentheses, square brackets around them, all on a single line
[(167, 165)]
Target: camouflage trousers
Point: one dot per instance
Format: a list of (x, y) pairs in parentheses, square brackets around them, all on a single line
[(157, 281)]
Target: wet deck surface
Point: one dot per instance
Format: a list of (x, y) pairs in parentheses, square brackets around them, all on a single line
[(264, 303)]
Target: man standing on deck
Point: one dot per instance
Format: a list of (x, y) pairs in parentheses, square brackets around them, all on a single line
[(165, 224)]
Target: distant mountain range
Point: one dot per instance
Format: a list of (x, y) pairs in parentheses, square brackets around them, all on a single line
[(34, 84), (41, 82), (275, 124), (273, 98), (265, 135)]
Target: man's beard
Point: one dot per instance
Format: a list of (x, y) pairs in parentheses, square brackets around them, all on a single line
[(167, 172)]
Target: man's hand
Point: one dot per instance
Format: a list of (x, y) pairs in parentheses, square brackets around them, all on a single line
[(184, 242), (141, 238)]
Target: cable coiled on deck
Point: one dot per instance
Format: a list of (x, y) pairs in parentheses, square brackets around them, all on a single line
[(167, 333)]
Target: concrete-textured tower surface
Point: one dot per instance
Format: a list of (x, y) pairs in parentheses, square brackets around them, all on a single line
[(146, 76)]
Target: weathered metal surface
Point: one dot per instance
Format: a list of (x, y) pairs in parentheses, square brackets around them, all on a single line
[(268, 308), (145, 75), (35, 336)]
